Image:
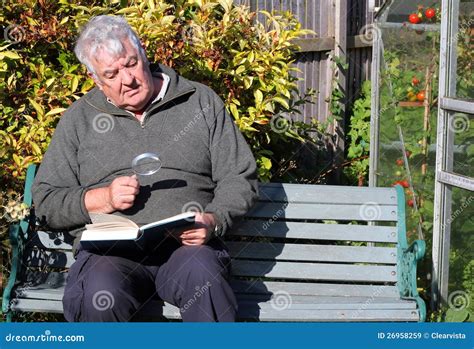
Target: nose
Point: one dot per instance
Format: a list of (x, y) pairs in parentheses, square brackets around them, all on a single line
[(127, 77)]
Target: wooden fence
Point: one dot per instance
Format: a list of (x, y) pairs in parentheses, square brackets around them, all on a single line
[(338, 25)]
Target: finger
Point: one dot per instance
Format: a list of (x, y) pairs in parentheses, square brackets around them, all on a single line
[(193, 242), (128, 190), (134, 181), (129, 199), (194, 234)]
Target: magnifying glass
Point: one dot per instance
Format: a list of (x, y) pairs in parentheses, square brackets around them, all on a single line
[(146, 164)]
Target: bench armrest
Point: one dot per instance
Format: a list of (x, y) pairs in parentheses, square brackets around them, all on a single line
[(407, 274), (17, 243), (18, 233)]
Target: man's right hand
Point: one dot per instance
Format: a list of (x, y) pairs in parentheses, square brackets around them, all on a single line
[(118, 196)]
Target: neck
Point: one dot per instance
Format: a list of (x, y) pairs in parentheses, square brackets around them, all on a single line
[(157, 84)]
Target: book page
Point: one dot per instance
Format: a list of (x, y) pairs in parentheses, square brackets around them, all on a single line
[(109, 218), (97, 233), (182, 216)]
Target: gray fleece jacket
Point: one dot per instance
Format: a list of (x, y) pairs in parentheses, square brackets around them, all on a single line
[(206, 162)]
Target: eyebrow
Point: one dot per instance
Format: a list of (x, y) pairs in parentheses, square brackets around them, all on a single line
[(110, 71)]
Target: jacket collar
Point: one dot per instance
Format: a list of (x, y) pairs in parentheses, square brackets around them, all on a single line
[(178, 86)]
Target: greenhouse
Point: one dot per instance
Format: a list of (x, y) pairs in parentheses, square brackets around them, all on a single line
[(422, 104)]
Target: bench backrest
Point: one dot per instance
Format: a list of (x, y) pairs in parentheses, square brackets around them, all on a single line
[(309, 233)]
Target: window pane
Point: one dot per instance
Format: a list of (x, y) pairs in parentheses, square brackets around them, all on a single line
[(465, 51), (462, 126), (461, 264)]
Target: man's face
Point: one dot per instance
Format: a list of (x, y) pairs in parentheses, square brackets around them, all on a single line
[(124, 78)]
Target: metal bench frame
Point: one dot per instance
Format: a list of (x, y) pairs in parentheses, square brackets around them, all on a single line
[(274, 278)]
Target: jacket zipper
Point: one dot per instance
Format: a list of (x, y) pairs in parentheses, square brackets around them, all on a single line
[(145, 114)]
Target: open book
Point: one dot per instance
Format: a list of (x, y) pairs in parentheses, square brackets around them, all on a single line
[(110, 232)]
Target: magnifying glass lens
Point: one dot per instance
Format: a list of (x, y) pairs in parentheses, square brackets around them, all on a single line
[(146, 164)]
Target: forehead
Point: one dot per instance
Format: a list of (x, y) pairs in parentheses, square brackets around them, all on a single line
[(104, 59)]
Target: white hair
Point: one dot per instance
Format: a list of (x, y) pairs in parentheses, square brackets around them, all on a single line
[(105, 33)]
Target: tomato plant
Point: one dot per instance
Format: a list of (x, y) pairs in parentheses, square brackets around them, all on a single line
[(414, 18), (420, 96), (430, 13)]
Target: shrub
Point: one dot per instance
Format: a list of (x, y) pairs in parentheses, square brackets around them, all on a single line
[(247, 63)]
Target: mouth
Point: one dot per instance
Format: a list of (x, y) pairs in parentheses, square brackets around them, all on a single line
[(132, 92)]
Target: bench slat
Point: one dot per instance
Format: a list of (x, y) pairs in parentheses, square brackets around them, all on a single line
[(290, 230), (303, 270), (59, 241), (312, 253), (311, 288), (314, 271), (37, 305), (278, 299), (255, 286), (261, 251), (323, 211), (266, 312), (326, 194), (53, 258), (315, 231), (327, 315), (263, 311)]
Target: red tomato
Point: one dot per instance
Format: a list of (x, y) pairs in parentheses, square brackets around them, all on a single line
[(404, 183), (430, 13), (413, 18), (421, 96), (415, 81), (410, 203), (399, 162)]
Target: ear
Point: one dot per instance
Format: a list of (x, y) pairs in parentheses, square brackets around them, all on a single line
[(97, 82)]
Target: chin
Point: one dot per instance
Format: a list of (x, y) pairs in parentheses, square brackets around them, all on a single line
[(135, 105)]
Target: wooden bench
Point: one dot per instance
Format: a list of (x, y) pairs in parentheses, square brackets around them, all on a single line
[(303, 253)]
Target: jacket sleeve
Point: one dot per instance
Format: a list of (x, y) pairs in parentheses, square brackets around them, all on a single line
[(233, 169), (57, 194)]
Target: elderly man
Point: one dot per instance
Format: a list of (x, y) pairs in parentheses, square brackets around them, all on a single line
[(137, 108)]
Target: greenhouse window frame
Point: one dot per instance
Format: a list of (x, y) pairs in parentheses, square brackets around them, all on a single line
[(445, 179)]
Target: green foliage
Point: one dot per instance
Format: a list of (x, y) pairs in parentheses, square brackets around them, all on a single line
[(358, 138), (214, 42), (336, 100)]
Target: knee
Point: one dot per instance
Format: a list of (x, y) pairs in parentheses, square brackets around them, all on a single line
[(104, 296), (104, 276), (201, 260)]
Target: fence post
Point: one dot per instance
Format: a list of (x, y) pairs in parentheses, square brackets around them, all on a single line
[(340, 53)]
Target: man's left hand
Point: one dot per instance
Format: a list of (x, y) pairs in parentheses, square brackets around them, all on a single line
[(201, 232)]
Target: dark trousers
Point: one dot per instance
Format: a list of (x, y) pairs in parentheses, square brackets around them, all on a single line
[(113, 288)]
